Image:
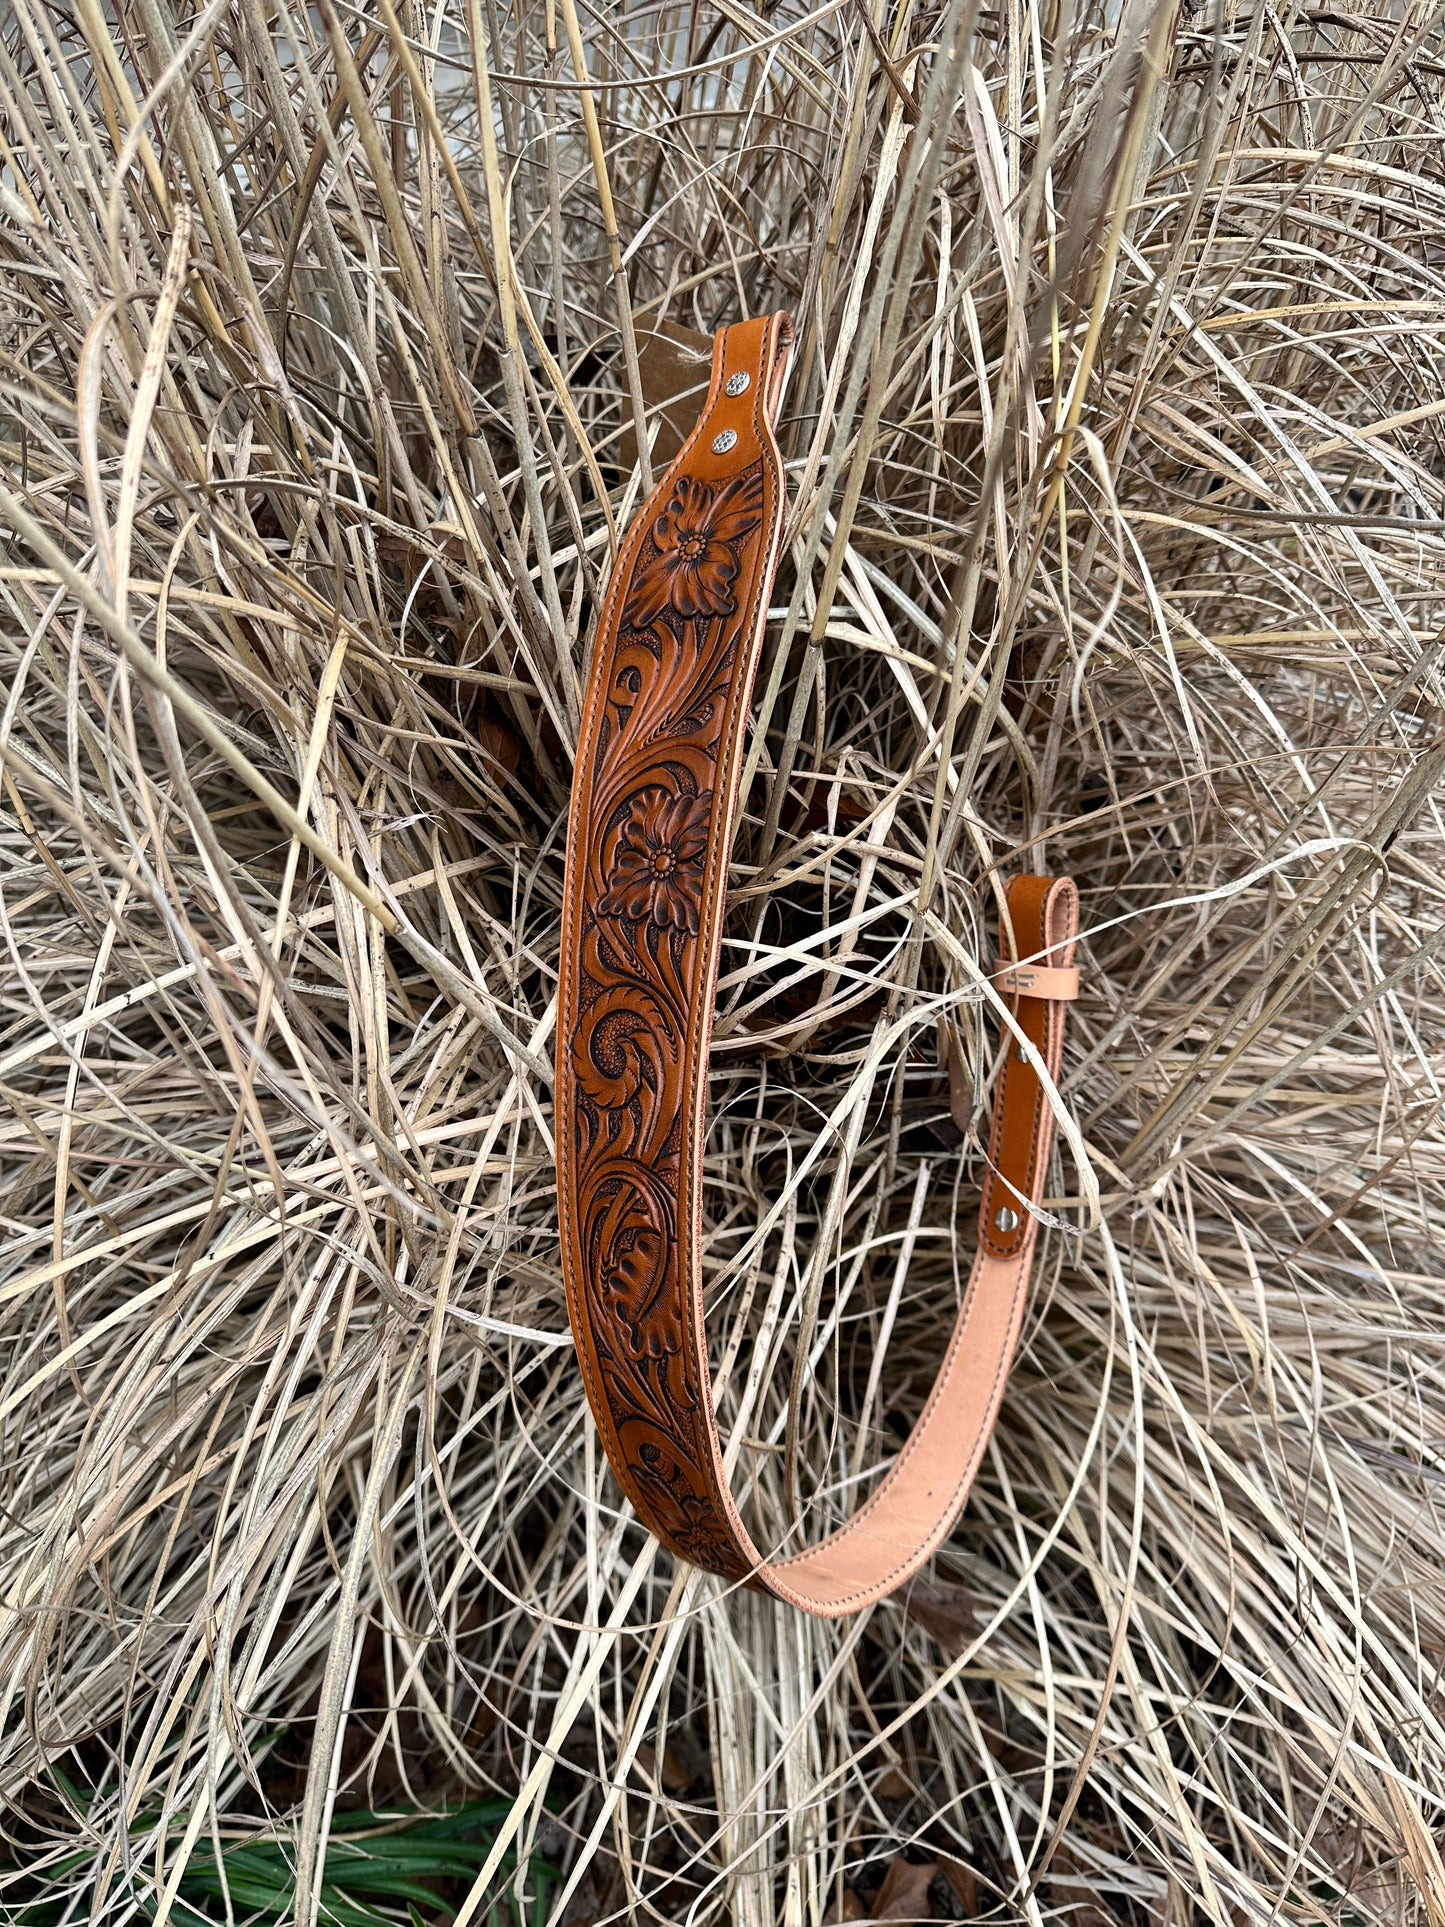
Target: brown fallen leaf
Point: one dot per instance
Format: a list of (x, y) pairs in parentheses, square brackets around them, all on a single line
[(850, 1907), (961, 1106), (944, 1610), (674, 1775), (904, 1895), (893, 1786), (961, 1879), (500, 742)]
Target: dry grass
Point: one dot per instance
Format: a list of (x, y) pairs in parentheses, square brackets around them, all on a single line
[(1118, 468)]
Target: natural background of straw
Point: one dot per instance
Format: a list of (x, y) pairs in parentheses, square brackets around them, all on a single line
[(1115, 442)]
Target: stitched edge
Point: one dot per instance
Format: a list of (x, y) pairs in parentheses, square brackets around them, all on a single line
[(774, 343)]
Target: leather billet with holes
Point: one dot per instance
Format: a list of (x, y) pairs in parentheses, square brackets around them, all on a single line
[(654, 800)]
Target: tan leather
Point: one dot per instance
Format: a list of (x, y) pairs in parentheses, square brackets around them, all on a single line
[(1035, 980), (654, 802)]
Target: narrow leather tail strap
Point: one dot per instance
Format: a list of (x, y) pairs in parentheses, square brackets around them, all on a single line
[(654, 801)]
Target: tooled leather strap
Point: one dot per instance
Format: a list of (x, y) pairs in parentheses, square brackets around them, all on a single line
[(654, 799)]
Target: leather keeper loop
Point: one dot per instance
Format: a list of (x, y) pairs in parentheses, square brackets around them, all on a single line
[(1036, 980), (654, 802)]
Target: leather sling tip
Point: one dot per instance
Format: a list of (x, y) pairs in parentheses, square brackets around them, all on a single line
[(654, 802)]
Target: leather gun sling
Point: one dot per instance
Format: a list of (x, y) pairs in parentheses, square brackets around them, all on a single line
[(654, 802)]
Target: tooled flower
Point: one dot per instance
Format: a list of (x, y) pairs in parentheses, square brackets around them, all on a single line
[(657, 864), (694, 567)]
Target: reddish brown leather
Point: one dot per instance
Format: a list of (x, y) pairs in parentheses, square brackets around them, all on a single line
[(1044, 914), (653, 807)]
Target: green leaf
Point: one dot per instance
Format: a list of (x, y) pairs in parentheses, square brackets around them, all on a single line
[(377, 1870)]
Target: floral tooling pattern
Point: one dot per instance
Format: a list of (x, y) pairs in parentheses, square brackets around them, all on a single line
[(656, 872), (694, 560), (664, 709)]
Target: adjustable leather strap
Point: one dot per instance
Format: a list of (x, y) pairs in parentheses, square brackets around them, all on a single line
[(654, 801)]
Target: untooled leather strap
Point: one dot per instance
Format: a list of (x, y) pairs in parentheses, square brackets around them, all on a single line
[(654, 799)]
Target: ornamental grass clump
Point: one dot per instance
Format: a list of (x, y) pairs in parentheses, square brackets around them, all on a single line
[(338, 346)]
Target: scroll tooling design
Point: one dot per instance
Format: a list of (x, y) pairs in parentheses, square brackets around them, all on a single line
[(669, 696)]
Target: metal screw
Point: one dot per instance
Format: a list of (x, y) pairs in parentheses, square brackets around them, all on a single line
[(1005, 1219), (736, 384), (722, 443)]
